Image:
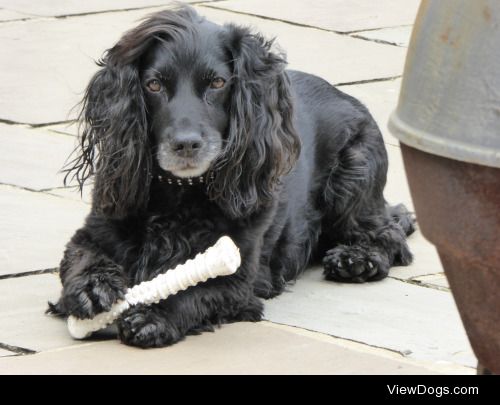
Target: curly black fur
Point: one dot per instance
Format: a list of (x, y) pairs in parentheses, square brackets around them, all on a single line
[(298, 172)]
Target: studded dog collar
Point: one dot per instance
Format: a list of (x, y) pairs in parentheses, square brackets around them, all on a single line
[(187, 181)]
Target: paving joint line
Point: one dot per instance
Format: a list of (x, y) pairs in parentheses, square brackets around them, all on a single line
[(35, 17), (377, 29), (48, 124), (118, 10), (378, 41), (419, 283), (425, 275), (65, 198), (17, 349), (17, 20), (52, 270), (20, 187), (208, 5), (55, 132), (402, 353), (49, 189), (46, 191), (379, 79), (42, 125), (10, 122), (343, 33)]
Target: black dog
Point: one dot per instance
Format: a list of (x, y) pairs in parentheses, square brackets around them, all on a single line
[(192, 131)]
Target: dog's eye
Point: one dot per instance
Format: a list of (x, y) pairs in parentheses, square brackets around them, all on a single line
[(154, 86), (217, 83)]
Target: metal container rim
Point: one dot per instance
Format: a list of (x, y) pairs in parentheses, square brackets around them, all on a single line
[(442, 146)]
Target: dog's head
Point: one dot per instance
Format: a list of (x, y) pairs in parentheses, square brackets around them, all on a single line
[(181, 95)]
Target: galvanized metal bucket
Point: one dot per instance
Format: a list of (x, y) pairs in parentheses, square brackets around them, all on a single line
[(450, 97), (448, 123)]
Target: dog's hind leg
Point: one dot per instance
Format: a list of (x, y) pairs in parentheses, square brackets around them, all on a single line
[(362, 237)]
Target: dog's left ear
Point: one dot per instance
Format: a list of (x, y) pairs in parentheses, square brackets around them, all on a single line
[(262, 144)]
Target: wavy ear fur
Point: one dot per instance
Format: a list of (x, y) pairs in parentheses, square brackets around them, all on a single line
[(114, 142), (262, 144)]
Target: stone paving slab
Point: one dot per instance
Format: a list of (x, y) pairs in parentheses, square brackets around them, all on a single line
[(305, 49), (23, 322), (241, 348), (33, 158), (399, 36), (58, 60), (35, 227), (55, 8), (422, 323), (335, 15)]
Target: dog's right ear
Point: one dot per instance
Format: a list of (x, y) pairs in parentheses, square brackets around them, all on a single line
[(114, 146), (114, 142)]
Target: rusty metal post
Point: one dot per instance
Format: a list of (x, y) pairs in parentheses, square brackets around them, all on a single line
[(448, 123)]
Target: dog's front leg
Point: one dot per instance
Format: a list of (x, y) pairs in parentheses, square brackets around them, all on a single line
[(221, 300), (92, 281)]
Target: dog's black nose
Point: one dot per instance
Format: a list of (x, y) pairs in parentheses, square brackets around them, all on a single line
[(187, 144)]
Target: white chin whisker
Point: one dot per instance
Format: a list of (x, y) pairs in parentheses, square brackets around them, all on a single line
[(190, 172)]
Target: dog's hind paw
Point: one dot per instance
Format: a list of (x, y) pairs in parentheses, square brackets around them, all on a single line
[(355, 264)]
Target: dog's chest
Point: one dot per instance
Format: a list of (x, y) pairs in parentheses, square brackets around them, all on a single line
[(179, 216)]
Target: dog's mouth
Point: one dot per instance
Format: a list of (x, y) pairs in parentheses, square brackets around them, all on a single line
[(190, 168), (184, 167), (188, 164)]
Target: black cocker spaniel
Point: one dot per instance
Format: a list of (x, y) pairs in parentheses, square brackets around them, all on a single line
[(191, 131)]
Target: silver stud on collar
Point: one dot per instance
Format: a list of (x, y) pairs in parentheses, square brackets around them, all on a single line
[(189, 181)]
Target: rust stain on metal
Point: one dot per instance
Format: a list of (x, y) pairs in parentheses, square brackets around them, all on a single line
[(458, 209), (487, 14), (445, 36)]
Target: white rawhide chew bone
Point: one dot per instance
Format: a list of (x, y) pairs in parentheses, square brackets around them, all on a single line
[(221, 259)]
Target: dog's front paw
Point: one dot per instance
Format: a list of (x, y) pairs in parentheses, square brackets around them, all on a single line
[(355, 264), (92, 292), (141, 326)]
